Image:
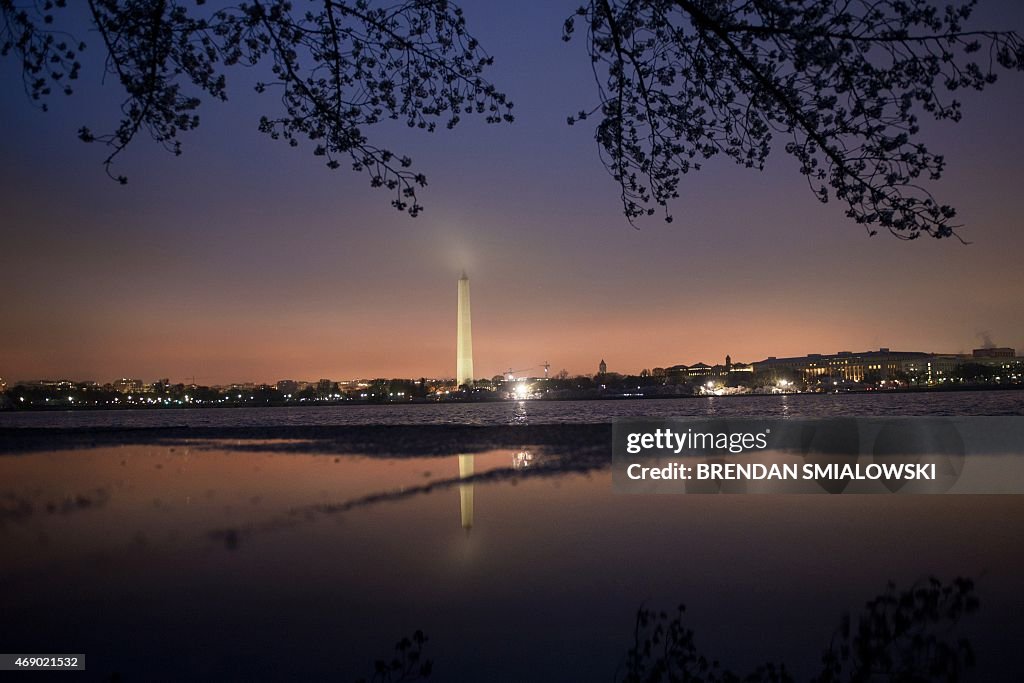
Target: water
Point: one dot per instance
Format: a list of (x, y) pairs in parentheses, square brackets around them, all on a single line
[(232, 560), (162, 556), (541, 412)]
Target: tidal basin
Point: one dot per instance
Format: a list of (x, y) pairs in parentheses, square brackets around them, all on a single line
[(308, 553)]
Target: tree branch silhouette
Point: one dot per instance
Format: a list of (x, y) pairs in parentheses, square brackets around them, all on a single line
[(340, 68), (682, 81), (908, 636), (406, 665), (844, 84)]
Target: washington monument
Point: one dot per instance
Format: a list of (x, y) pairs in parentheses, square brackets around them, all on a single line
[(464, 350)]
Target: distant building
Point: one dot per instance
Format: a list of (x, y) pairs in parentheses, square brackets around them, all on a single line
[(847, 365), (695, 371), (932, 368), (698, 370), (3, 385), (1010, 363), (126, 385), (57, 384), (326, 387), (602, 368), (1001, 352), (288, 386), (676, 371)]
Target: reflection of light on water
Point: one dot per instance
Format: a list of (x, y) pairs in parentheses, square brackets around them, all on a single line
[(710, 406), (466, 491), (785, 405), (519, 413), (522, 460), (467, 469)]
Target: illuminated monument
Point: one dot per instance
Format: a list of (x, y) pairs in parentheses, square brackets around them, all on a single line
[(464, 350)]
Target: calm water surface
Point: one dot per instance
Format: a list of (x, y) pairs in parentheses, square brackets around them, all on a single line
[(245, 560), (542, 412)]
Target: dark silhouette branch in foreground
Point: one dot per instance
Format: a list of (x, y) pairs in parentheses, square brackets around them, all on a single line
[(844, 84), (679, 81), (407, 664), (339, 66), (907, 636)]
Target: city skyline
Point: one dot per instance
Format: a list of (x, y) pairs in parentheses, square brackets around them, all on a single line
[(533, 372), (245, 260)]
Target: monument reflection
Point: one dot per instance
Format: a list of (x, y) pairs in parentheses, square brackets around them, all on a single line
[(466, 465)]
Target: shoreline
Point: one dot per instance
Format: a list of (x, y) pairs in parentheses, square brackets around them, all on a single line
[(422, 439), (462, 402)]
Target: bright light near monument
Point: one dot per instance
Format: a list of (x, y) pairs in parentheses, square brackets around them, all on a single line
[(522, 391)]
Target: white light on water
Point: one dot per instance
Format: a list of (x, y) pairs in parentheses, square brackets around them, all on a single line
[(522, 391)]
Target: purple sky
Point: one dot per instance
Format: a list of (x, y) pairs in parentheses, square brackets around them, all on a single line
[(245, 259)]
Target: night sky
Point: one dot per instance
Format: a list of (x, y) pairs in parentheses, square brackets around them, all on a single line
[(246, 260)]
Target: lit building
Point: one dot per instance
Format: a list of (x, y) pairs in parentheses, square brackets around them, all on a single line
[(698, 370), (128, 386), (695, 371), (847, 365), (932, 369), (464, 340)]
